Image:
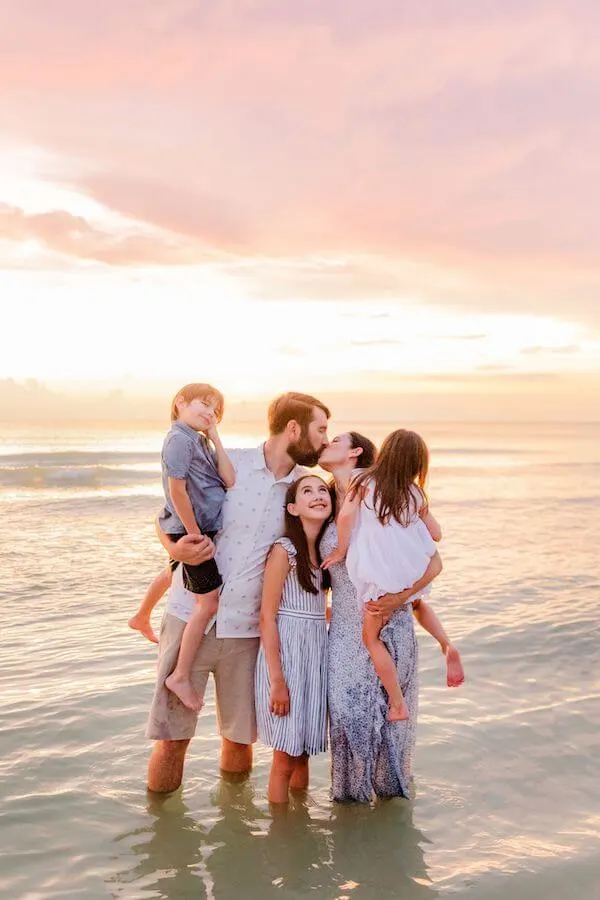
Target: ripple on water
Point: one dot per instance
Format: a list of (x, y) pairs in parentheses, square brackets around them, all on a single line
[(506, 767)]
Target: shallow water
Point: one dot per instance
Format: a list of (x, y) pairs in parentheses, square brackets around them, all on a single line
[(507, 794)]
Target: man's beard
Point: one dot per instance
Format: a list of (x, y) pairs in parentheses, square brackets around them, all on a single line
[(303, 453)]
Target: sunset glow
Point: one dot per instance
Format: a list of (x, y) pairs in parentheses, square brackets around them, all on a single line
[(362, 224)]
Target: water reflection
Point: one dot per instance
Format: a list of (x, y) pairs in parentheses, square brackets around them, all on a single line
[(377, 852), (169, 852), (245, 850)]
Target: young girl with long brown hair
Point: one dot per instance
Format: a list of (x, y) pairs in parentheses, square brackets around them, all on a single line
[(291, 670), (387, 533)]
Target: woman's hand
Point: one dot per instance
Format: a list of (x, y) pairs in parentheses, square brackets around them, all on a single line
[(389, 603), (279, 701)]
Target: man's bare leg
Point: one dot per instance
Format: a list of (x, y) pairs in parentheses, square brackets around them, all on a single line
[(235, 758), (165, 766)]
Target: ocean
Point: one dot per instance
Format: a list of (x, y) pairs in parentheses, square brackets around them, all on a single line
[(507, 788)]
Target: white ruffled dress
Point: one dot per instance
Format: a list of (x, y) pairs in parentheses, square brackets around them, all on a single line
[(387, 558)]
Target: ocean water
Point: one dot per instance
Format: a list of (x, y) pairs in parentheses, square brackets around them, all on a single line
[(507, 789)]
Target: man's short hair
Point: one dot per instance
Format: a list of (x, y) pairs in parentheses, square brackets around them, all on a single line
[(292, 405)]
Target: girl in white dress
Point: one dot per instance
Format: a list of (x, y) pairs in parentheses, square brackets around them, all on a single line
[(388, 534)]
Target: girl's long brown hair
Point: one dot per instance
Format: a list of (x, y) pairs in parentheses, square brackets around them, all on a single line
[(295, 532), (403, 460)]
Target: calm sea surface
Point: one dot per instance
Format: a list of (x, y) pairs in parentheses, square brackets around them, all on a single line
[(507, 786)]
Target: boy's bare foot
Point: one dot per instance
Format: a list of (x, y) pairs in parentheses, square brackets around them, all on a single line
[(142, 624), (398, 713), (185, 692), (455, 674)]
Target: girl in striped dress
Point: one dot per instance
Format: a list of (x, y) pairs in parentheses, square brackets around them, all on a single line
[(291, 670)]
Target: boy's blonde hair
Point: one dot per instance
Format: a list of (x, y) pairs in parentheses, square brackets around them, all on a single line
[(199, 391)]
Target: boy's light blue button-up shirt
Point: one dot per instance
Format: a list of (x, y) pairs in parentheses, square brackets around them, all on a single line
[(187, 454)]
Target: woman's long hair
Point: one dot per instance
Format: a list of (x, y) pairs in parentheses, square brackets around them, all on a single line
[(295, 532), (403, 461)]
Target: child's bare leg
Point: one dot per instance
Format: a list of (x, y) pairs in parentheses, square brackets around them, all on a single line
[(384, 665), (282, 770), (299, 779), (179, 680), (428, 620), (141, 620)]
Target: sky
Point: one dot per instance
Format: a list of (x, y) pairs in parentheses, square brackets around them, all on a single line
[(390, 203)]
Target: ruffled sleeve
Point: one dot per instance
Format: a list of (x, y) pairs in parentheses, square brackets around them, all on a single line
[(289, 548)]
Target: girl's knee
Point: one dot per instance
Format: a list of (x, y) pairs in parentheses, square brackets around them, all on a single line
[(370, 638), (210, 603), (372, 624), (213, 605), (300, 762), (299, 779)]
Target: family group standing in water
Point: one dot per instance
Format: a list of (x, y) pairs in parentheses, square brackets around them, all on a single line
[(256, 542)]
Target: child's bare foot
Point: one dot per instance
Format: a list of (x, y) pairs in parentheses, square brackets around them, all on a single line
[(455, 674), (398, 713), (142, 624), (185, 692)]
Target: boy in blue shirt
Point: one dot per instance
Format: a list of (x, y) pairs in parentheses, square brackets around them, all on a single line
[(196, 473)]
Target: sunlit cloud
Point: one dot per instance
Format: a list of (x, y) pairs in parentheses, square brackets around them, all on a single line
[(295, 182), (569, 348), (74, 236)]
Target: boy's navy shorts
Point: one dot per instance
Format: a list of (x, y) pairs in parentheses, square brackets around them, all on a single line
[(201, 579)]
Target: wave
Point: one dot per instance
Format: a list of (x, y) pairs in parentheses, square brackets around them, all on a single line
[(62, 476), (97, 469), (481, 451), (78, 469), (78, 457)]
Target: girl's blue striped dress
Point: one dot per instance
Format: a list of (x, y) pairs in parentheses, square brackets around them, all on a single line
[(303, 650)]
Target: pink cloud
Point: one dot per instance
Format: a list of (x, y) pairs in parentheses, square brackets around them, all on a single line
[(64, 233), (458, 135)]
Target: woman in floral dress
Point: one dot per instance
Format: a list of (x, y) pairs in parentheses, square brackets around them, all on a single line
[(369, 754)]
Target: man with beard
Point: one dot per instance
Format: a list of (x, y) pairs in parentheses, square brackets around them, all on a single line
[(253, 518)]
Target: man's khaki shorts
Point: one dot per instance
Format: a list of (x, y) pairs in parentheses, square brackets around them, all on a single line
[(231, 661)]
